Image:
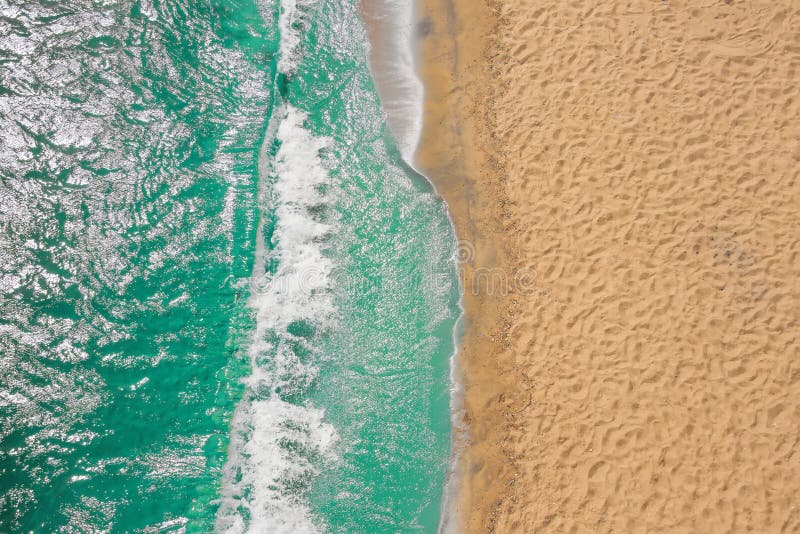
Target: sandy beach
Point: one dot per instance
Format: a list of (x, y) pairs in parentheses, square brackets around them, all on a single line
[(637, 162)]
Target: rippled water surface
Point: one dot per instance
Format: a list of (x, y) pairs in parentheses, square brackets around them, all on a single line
[(225, 301)]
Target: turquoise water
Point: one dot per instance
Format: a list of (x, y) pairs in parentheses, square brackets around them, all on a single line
[(226, 303)]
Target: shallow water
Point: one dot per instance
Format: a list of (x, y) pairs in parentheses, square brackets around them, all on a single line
[(227, 303)]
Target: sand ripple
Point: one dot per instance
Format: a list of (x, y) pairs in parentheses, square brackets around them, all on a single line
[(652, 154)]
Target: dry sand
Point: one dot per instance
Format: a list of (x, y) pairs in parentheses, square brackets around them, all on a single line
[(642, 158)]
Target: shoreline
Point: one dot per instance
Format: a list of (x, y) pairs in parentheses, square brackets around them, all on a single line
[(455, 154), (384, 72), (458, 154), (393, 61), (641, 163)]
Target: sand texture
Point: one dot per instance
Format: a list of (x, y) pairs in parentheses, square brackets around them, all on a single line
[(643, 159), (456, 152)]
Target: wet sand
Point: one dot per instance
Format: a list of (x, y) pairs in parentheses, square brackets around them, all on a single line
[(638, 161), (457, 151)]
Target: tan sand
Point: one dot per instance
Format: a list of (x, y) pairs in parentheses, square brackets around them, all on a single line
[(642, 157), (457, 153)]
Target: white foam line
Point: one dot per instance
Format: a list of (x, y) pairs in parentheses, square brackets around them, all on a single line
[(262, 474), (268, 469), (290, 23), (448, 515)]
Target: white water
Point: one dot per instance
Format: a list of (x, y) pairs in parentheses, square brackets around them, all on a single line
[(262, 475), (290, 23)]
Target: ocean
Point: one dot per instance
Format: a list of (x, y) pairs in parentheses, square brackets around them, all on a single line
[(227, 299)]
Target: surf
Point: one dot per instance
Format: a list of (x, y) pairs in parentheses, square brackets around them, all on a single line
[(230, 299), (355, 298), (276, 444)]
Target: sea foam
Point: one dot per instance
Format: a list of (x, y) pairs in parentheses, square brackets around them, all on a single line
[(291, 21), (276, 446)]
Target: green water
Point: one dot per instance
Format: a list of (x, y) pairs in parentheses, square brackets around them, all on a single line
[(225, 302)]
